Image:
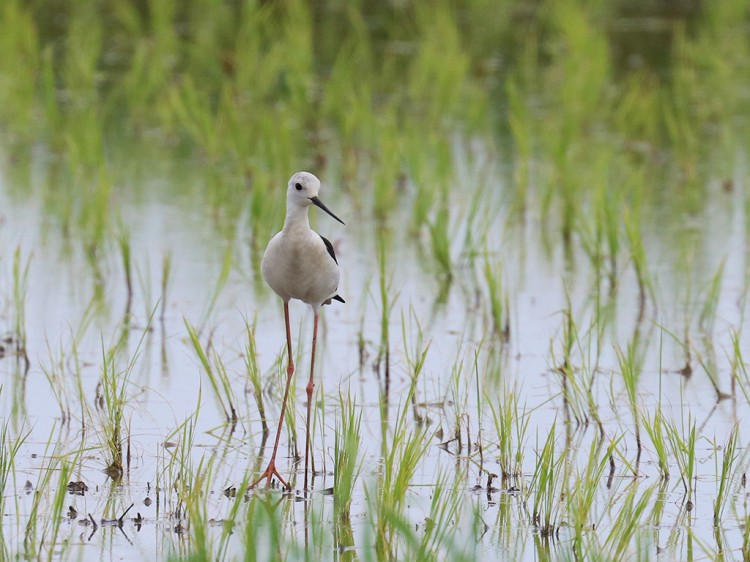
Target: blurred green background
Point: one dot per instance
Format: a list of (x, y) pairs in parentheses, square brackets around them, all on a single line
[(227, 99)]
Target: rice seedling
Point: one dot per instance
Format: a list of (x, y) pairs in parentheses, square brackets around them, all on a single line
[(610, 208), (631, 366), (575, 397), (123, 242), (415, 361), (707, 316), (598, 231), (387, 302), (193, 493), (545, 486), (217, 376), (520, 123), (21, 38), (499, 302), (10, 445), (582, 97), (44, 517), (656, 427), (439, 69), (682, 446), (440, 240), (707, 355), (55, 515), (658, 510), (740, 375), (354, 119), (726, 475), (112, 400), (638, 255), (439, 537), (55, 374), (166, 277), (178, 470), (253, 371), (156, 50), (20, 291), (385, 195), (347, 468), (458, 396), (402, 452), (680, 132), (580, 502), (232, 518), (627, 525), (511, 426), (424, 181), (480, 441)]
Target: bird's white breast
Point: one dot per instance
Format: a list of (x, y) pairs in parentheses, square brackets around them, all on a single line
[(296, 265)]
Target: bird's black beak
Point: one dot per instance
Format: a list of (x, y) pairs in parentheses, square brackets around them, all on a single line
[(318, 203)]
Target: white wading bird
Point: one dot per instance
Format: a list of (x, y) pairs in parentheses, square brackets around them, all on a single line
[(300, 264)]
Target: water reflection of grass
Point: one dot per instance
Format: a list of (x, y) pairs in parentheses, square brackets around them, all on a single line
[(394, 103)]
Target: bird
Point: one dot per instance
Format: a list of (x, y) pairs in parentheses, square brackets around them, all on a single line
[(300, 264)]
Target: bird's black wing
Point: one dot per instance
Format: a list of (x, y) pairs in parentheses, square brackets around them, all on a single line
[(329, 247), (331, 253)]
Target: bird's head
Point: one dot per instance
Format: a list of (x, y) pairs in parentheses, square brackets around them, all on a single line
[(303, 191)]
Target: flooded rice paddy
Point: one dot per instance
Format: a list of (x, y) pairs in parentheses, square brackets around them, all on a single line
[(541, 355)]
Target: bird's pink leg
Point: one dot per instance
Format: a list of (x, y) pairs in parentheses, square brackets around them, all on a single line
[(310, 387), (271, 468)]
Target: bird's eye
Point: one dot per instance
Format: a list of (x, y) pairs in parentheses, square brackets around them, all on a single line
[(298, 186)]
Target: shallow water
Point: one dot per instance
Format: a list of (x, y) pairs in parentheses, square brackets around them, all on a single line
[(167, 384), (533, 120)]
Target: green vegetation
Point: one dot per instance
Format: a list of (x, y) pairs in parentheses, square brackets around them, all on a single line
[(536, 192)]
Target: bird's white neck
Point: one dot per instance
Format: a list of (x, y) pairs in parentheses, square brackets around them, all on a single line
[(296, 217)]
